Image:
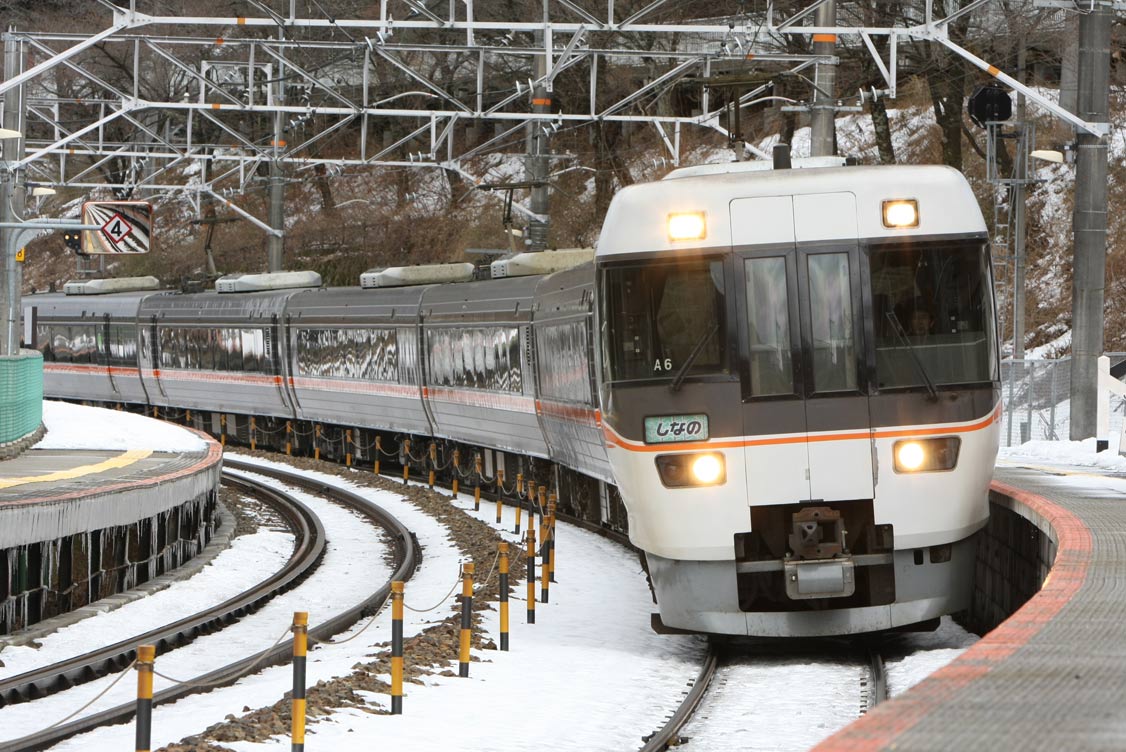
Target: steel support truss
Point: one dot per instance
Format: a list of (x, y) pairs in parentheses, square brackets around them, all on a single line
[(428, 66)]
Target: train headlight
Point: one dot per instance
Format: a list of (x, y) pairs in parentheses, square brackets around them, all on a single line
[(901, 213), (926, 455), (691, 470), (688, 226)]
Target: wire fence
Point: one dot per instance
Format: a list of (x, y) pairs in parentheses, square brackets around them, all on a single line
[(1036, 395)]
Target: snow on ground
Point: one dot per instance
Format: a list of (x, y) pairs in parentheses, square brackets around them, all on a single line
[(78, 427), (352, 568), (912, 657), (598, 677), (250, 559), (775, 703), (1074, 453)]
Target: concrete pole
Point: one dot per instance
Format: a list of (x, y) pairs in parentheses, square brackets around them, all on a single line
[(537, 162), (275, 244), (823, 120), (1089, 265), (1020, 169), (11, 199)]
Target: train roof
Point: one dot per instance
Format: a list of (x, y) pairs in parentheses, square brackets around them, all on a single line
[(509, 300), (637, 221), (328, 305), (52, 304), (212, 306)]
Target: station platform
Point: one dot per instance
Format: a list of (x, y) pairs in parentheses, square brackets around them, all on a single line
[(1049, 676), (79, 523)]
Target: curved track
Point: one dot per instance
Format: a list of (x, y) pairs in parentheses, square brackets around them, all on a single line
[(311, 544)]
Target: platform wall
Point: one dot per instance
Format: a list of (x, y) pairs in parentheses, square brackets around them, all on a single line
[(1015, 553)]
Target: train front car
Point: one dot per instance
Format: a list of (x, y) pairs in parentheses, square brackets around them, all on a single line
[(799, 392)]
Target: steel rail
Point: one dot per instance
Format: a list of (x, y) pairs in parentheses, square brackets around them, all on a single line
[(668, 735), (309, 545), (878, 679), (406, 557)]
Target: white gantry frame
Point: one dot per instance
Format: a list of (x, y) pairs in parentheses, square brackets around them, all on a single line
[(229, 67)]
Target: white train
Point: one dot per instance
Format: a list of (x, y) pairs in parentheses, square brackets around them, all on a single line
[(789, 376), (799, 385)]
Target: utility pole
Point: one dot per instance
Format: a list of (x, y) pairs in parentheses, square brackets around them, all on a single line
[(1020, 168), (275, 247), (536, 166), (823, 120), (11, 197), (1089, 265)]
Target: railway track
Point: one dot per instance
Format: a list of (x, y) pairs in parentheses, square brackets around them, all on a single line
[(873, 690), (309, 550)]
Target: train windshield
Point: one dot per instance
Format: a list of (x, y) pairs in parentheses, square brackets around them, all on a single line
[(933, 305), (660, 317)]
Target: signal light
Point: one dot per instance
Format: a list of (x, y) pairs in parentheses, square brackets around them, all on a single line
[(73, 241)]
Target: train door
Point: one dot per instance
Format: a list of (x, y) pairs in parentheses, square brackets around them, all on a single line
[(833, 347), (774, 417)]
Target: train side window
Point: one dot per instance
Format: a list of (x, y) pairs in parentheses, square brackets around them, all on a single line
[(831, 323), (768, 314)]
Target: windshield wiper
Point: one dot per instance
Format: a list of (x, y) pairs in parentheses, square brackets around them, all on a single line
[(902, 334), (678, 379)]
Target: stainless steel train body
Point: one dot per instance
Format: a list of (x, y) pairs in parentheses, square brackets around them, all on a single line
[(796, 401), (822, 343), (354, 358), (219, 352), (89, 346)]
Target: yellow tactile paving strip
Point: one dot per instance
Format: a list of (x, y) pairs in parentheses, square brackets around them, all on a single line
[(122, 460)]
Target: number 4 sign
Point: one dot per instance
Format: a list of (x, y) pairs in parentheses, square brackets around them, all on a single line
[(126, 227)]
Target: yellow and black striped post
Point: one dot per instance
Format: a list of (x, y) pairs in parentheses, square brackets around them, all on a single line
[(289, 438), (378, 452), (406, 460), (155, 411), (457, 469), (542, 498), (187, 417), (530, 564), (466, 618), (348, 444), (300, 648), (433, 462), (519, 510), (316, 442), (397, 647), (223, 430), (477, 487), (253, 433), (502, 549), (551, 539), (520, 485), (146, 656), (545, 580), (500, 494)]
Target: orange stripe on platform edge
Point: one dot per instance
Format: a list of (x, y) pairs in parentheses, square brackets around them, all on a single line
[(881, 727), (825, 38)]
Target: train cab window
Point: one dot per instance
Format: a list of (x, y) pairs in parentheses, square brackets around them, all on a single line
[(768, 314), (831, 323), (933, 309), (660, 317)]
